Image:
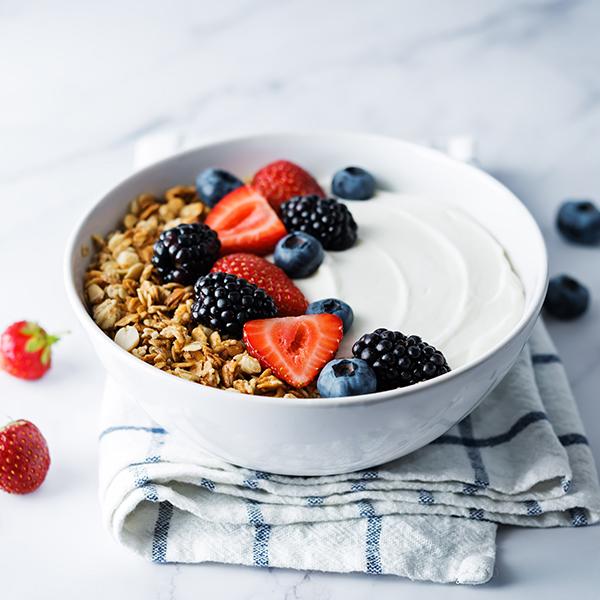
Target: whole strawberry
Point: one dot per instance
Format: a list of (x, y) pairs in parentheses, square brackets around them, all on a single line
[(281, 180), (24, 458), (287, 296), (25, 350)]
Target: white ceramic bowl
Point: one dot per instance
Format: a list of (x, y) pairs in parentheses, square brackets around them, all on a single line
[(321, 436)]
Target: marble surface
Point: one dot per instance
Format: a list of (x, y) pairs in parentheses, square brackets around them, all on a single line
[(82, 82)]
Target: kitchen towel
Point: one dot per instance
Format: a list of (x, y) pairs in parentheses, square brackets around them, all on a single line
[(521, 458)]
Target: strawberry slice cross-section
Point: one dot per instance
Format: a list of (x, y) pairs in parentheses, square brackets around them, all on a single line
[(294, 348), (245, 222)]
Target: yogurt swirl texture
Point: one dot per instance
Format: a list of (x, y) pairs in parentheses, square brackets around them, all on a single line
[(422, 267)]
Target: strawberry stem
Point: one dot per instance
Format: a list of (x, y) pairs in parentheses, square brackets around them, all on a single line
[(40, 341), (5, 420)]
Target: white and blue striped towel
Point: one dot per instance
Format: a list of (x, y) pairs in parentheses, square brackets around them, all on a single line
[(521, 458)]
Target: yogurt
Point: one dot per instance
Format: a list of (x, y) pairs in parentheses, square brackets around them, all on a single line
[(422, 267)]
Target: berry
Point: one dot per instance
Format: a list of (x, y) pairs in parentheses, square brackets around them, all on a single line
[(346, 377), (324, 218), (579, 221), (353, 183), (290, 301), (333, 306), (24, 458), (399, 360), (185, 252), (25, 350), (225, 302), (282, 179), (294, 348), (245, 222), (299, 254), (214, 184), (566, 298)]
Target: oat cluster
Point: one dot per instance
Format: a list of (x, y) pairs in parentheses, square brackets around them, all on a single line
[(153, 320)]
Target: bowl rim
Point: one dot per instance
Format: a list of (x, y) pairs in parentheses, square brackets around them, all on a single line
[(531, 312)]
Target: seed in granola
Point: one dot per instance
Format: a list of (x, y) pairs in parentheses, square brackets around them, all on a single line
[(191, 212), (129, 221), (134, 271), (127, 337), (117, 242), (225, 302), (127, 258), (186, 252), (249, 365), (95, 293), (193, 347), (106, 314)]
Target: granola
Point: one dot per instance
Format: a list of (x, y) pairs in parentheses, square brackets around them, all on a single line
[(152, 320)]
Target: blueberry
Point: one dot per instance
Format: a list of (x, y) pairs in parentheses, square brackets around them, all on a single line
[(334, 307), (566, 298), (299, 254), (579, 221), (353, 183), (214, 184), (346, 377)]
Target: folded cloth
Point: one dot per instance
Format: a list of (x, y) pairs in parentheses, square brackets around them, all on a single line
[(521, 458)]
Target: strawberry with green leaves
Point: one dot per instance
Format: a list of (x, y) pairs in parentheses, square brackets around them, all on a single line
[(25, 350)]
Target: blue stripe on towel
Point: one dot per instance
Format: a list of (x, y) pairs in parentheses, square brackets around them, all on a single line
[(518, 426), (533, 508), (142, 480), (426, 497), (372, 538), (253, 482), (568, 439), (262, 534), (358, 486), (161, 532), (471, 442), (578, 517), (314, 500), (157, 430), (140, 474), (207, 484), (476, 514), (544, 359), (469, 489), (147, 461), (481, 477)]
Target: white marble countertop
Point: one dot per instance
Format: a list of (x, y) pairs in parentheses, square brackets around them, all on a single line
[(81, 82)]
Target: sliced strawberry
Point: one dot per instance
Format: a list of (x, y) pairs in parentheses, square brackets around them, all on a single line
[(294, 348), (289, 299), (282, 179), (245, 222)]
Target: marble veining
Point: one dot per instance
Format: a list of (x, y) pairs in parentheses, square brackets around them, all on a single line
[(82, 82)]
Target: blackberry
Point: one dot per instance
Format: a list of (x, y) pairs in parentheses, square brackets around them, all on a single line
[(399, 360), (225, 302), (185, 252), (326, 219)]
